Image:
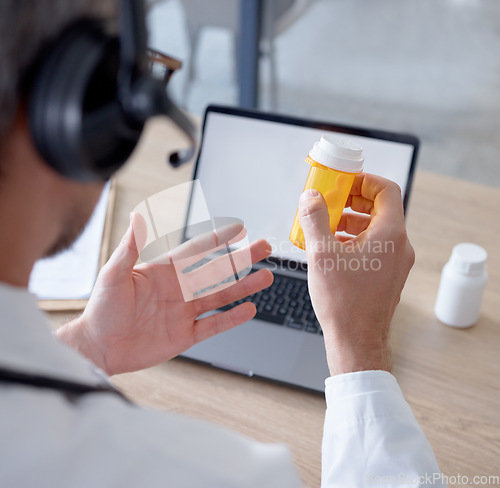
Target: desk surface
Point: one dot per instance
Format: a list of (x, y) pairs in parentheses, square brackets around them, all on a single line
[(450, 377)]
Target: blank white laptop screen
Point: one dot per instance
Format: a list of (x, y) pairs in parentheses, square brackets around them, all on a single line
[(251, 166)]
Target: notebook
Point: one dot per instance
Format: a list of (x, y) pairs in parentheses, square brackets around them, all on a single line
[(65, 281), (251, 166)]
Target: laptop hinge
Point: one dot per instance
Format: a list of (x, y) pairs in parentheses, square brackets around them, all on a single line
[(233, 369)]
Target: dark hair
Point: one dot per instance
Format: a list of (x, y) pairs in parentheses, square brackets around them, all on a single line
[(25, 27)]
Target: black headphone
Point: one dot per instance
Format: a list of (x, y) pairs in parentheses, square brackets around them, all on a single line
[(92, 94)]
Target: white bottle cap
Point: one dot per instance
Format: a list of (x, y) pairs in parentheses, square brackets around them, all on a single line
[(468, 259), (338, 153)]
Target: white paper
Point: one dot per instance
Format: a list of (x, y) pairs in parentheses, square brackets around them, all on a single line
[(71, 274)]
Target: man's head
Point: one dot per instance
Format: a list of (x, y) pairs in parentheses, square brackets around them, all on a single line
[(73, 102), (26, 27), (40, 210)]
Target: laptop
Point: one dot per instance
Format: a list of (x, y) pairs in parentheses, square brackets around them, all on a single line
[(251, 166)]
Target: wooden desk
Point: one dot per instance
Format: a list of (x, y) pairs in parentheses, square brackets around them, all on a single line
[(450, 377)]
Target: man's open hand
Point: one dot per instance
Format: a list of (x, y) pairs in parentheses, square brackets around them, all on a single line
[(137, 317)]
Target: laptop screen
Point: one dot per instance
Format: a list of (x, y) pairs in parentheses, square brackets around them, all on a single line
[(251, 166)]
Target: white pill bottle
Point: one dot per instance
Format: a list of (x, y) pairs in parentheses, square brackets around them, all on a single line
[(462, 285)]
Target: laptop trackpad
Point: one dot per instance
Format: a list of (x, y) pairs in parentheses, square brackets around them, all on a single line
[(255, 347)]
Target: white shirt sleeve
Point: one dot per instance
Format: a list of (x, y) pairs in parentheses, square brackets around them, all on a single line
[(371, 438)]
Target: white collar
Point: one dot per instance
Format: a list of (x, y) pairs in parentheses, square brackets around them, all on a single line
[(27, 344)]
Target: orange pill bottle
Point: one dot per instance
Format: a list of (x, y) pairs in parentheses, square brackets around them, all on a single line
[(334, 161)]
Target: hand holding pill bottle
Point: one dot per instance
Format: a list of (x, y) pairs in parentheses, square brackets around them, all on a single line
[(334, 161)]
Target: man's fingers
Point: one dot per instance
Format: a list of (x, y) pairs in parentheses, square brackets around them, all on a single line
[(241, 259), (353, 224), (201, 245), (125, 256), (247, 286), (226, 266), (384, 194), (313, 217), (359, 204)]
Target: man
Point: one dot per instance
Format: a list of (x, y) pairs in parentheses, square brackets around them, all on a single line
[(55, 434)]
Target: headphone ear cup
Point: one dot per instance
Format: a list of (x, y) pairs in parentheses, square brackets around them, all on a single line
[(76, 120)]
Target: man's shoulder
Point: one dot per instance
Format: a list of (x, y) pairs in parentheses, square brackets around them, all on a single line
[(99, 438)]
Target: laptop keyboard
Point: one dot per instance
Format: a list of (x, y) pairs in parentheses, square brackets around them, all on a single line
[(285, 303)]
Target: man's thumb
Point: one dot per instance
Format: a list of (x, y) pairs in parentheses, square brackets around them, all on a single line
[(313, 217), (126, 254)]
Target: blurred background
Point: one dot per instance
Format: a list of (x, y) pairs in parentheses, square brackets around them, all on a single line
[(427, 67)]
